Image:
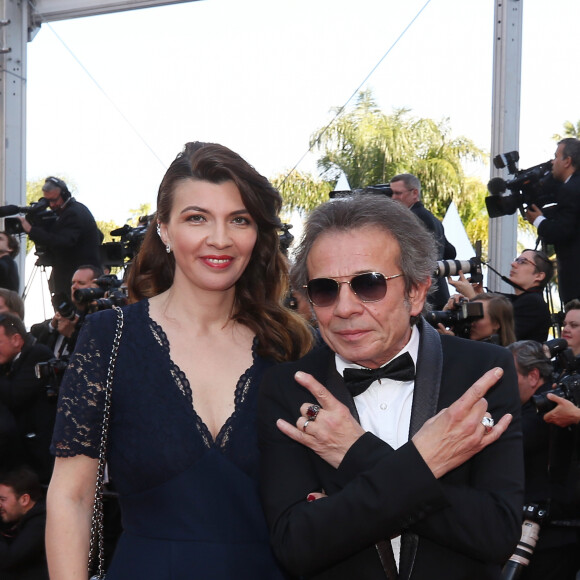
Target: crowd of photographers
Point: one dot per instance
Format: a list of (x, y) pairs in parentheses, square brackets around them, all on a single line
[(32, 363)]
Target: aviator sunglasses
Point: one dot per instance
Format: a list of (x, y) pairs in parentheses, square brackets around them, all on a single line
[(369, 287)]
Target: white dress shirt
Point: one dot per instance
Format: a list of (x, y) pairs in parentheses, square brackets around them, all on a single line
[(384, 408)]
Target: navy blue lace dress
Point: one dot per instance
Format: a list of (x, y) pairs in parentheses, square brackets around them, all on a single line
[(190, 504)]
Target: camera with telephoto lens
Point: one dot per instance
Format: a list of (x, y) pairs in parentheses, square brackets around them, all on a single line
[(534, 515), (459, 318), (472, 267), (568, 380), (114, 298), (104, 283), (52, 371), (528, 187), (379, 189)]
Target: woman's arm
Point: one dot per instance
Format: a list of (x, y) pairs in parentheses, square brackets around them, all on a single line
[(69, 506)]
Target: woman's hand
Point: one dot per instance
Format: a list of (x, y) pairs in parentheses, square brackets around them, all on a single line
[(333, 430), (464, 286)]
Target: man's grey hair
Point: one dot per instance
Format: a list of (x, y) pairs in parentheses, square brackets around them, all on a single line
[(571, 149), (411, 181), (417, 246), (529, 355)]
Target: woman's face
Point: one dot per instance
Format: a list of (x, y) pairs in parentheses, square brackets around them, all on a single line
[(211, 234), (483, 327), (571, 330)]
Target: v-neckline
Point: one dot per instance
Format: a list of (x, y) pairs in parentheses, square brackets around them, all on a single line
[(182, 382)]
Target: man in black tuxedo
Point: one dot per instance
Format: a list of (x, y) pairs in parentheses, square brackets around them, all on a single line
[(406, 189), (346, 469), (561, 225)]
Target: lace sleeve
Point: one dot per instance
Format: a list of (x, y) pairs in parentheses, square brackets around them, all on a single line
[(82, 394)]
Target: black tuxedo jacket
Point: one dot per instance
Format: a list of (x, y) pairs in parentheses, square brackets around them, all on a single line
[(562, 228), (445, 251), (460, 527), (73, 240)]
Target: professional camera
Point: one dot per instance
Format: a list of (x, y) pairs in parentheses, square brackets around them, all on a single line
[(104, 283), (64, 306), (115, 298), (379, 189), (534, 515), (124, 251), (35, 213), (526, 188), (568, 382), (458, 319), (38, 214), (52, 370), (452, 267)]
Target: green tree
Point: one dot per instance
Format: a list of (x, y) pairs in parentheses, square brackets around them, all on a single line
[(570, 130), (370, 147), (142, 211), (301, 192)]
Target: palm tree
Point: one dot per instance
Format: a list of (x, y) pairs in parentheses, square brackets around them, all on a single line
[(570, 130)]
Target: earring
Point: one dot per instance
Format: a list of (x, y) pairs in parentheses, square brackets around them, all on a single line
[(167, 246)]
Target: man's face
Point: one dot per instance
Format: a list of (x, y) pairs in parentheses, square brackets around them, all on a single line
[(404, 194), (11, 508), (366, 333), (10, 346), (561, 166), (54, 198), (83, 278), (523, 271)]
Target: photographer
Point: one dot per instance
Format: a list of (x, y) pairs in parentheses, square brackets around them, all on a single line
[(530, 273), (60, 332), (561, 225), (406, 189), (495, 326), (24, 396), (566, 413), (549, 458), (71, 240)]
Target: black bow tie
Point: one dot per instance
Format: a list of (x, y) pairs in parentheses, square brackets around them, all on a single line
[(400, 369)]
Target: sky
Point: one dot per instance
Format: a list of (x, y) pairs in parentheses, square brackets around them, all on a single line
[(112, 99)]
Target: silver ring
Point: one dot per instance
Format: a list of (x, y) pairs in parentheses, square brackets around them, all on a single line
[(488, 423), (306, 424)]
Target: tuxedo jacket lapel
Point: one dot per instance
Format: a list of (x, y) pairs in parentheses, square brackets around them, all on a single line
[(425, 398)]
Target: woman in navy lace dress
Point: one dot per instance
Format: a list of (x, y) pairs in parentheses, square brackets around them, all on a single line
[(207, 286)]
